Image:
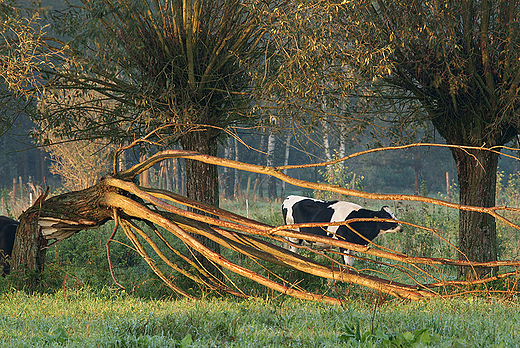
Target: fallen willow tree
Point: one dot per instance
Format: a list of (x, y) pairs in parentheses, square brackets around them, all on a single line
[(146, 215)]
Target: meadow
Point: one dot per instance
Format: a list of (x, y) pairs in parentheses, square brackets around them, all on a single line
[(109, 318), (78, 304)]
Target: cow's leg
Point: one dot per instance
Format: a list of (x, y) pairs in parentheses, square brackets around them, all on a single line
[(292, 247), (347, 260)]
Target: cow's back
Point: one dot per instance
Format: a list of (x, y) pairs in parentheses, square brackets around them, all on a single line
[(7, 234), (298, 209), (335, 211)]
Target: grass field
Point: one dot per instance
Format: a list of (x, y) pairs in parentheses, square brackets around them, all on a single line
[(76, 305), (107, 318)]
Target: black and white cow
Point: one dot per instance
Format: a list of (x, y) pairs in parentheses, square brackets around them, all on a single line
[(297, 210), (7, 232)]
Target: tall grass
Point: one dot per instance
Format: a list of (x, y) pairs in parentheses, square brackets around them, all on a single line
[(79, 305), (108, 318)]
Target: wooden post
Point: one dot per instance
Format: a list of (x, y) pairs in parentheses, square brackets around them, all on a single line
[(255, 186)]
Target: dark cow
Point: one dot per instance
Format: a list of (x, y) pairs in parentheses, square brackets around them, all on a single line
[(7, 232), (297, 210)]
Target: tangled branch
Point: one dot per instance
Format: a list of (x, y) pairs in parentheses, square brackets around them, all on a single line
[(167, 218)]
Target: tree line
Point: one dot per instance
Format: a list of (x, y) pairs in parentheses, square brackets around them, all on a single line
[(192, 72)]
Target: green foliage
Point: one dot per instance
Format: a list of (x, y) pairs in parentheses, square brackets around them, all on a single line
[(107, 318), (378, 338), (4, 196), (263, 211), (144, 64), (338, 174), (415, 241), (508, 194), (186, 341), (81, 260), (59, 335)]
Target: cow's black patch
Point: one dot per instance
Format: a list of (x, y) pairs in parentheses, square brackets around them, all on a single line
[(7, 234)]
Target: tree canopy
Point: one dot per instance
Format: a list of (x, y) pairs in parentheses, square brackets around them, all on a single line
[(184, 70), (452, 65)]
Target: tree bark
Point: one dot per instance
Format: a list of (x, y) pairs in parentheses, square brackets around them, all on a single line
[(28, 249), (286, 161), (477, 231), (61, 216), (343, 142), (226, 175), (476, 171), (236, 185), (271, 183), (144, 177), (202, 185)]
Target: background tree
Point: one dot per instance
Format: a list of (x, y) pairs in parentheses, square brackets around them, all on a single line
[(22, 44), (457, 61), (23, 53), (176, 63)]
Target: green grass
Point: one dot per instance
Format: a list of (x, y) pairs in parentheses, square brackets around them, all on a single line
[(75, 308), (106, 318)]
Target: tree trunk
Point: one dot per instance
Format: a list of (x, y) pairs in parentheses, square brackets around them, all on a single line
[(476, 170), (286, 160), (61, 216), (28, 249), (121, 162), (236, 185), (202, 185), (477, 231), (326, 148), (326, 143), (172, 175), (226, 175), (271, 183), (258, 178), (144, 177), (22, 165), (343, 142)]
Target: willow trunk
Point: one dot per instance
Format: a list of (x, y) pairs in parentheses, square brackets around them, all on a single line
[(477, 231), (202, 186)]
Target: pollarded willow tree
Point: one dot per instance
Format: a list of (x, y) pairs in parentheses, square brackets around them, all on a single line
[(459, 61), (134, 66), (159, 224)]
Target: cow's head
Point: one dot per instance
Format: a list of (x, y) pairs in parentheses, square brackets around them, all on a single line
[(386, 226)]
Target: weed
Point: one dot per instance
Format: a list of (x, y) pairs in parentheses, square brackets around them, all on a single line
[(59, 335), (378, 338)]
